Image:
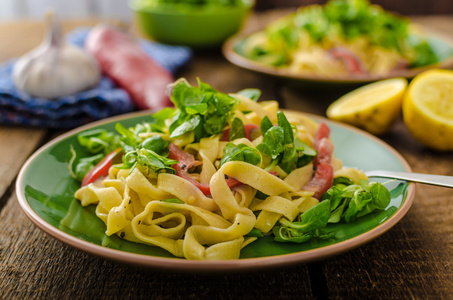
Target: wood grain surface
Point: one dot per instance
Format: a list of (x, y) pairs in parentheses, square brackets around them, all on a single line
[(413, 260)]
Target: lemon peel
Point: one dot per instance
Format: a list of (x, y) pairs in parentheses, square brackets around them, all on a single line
[(428, 109), (373, 107)]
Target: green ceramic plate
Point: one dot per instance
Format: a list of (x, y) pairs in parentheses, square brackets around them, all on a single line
[(45, 192)]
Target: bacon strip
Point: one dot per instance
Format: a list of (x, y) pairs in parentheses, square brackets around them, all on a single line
[(323, 177), (351, 61), (187, 161)]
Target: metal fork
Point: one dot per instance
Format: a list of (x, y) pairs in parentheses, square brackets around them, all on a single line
[(440, 180)]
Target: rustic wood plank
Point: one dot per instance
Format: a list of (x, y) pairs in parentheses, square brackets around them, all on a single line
[(18, 143)]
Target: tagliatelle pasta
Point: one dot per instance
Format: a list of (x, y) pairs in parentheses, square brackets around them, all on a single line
[(209, 207)]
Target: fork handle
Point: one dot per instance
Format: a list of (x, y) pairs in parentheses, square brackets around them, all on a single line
[(441, 180)]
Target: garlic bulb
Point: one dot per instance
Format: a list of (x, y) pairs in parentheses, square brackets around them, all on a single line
[(55, 68)]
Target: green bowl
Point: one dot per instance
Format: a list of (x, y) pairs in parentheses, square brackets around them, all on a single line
[(190, 25)]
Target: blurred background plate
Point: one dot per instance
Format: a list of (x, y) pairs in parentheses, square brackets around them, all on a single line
[(233, 52)]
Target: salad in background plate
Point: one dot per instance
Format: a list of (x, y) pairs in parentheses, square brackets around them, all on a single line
[(350, 40)]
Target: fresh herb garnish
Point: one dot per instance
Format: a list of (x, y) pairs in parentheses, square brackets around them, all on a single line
[(253, 94), (282, 145), (349, 202), (310, 225), (241, 152), (201, 111), (343, 202), (78, 167), (237, 130), (98, 141), (148, 155)]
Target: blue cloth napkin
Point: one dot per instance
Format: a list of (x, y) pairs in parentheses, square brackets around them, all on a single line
[(104, 100)]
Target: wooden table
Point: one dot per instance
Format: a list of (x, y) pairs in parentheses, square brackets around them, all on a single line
[(414, 260)]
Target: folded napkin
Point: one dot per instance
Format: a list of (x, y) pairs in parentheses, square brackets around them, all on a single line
[(104, 100)]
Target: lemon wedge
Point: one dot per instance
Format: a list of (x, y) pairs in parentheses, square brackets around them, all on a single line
[(428, 109), (372, 107)]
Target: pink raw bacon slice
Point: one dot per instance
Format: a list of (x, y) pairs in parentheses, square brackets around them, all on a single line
[(187, 161), (350, 60), (323, 177)]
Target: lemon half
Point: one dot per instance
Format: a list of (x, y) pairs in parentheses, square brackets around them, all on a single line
[(372, 107), (428, 109)]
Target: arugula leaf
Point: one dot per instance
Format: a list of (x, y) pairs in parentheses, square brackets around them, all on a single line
[(186, 126), (287, 128), (97, 142)]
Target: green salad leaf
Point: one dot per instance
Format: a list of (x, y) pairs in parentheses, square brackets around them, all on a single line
[(200, 110), (149, 154), (350, 201), (345, 201), (311, 225), (282, 145), (241, 152)]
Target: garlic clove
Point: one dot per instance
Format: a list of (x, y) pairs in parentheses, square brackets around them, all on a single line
[(55, 68)]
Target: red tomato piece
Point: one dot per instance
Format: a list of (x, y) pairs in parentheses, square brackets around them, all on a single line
[(101, 169)]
